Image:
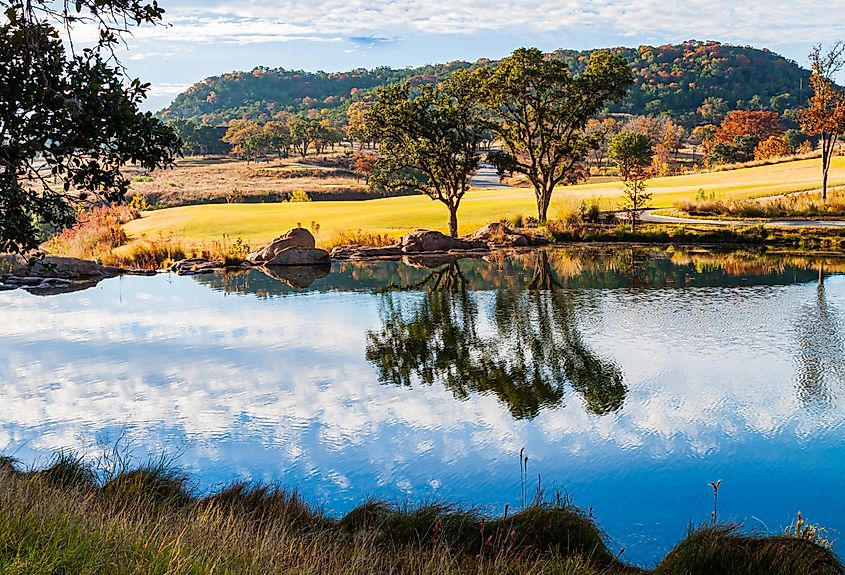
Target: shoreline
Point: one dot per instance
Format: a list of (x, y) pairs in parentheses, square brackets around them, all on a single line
[(150, 506)]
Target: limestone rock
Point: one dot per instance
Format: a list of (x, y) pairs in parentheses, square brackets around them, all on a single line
[(358, 252), (424, 241), (194, 266), (55, 267), (296, 256), (295, 238), (498, 234)]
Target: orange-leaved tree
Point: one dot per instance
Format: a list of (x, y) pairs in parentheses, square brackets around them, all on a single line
[(772, 147), (758, 124), (825, 114)]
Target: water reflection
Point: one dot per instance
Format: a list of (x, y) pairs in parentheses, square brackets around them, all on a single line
[(532, 352), (651, 379), (821, 358), (570, 268)]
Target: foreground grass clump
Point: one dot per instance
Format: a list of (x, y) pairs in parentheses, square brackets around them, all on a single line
[(73, 518), (722, 549)]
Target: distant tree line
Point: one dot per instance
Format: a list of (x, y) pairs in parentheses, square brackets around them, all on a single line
[(690, 82)]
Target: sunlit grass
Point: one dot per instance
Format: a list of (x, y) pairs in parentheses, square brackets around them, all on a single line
[(257, 223)]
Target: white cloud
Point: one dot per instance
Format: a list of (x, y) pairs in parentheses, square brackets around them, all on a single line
[(767, 22), (166, 90)]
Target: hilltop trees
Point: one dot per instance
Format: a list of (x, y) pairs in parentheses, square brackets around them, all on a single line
[(428, 142), (540, 112), (825, 115), (69, 120)]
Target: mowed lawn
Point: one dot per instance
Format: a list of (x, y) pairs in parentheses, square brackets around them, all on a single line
[(256, 223)]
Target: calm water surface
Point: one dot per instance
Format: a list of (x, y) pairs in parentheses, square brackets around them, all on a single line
[(632, 379)]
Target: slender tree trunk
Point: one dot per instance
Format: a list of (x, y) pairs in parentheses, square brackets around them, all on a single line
[(453, 221), (824, 185), (543, 205), (826, 152)]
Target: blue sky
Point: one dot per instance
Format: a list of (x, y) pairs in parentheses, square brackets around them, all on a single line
[(211, 37)]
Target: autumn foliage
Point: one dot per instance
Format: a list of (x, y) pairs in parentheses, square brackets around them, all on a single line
[(772, 147), (759, 124)]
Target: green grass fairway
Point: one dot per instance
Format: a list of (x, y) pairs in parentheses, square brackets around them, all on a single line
[(257, 223)]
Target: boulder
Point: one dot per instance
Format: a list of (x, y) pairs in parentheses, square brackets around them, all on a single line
[(423, 241), (194, 267), (300, 257), (358, 252), (295, 238), (498, 234)]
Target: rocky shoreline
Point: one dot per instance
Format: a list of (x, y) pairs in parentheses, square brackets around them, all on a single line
[(294, 250)]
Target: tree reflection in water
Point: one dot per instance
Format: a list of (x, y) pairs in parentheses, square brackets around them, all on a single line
[(526, 357), (821, 357)]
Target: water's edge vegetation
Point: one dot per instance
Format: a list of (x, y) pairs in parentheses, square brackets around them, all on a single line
[(73, 517)]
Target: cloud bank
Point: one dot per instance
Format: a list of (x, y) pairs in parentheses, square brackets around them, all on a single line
[(766, 22)]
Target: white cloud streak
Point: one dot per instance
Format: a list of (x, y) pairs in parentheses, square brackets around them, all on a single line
[(764, 22)]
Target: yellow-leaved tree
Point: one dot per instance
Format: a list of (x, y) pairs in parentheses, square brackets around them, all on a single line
[(825, 114)]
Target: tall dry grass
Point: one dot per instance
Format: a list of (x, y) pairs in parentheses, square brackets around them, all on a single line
[(74, 517), (800, 205), (355, 237)]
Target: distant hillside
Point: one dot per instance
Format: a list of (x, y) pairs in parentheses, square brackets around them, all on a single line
[(675, 79)]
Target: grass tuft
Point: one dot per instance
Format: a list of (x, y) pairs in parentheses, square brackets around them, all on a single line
[(264, 503), (69, 470), (157, 484), (721, 549)]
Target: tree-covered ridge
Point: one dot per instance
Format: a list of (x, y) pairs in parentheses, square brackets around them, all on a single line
[(679, 79), (267, 93), (691, 81)]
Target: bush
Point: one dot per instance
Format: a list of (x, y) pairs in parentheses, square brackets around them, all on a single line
[(96, 233), (299, 195)]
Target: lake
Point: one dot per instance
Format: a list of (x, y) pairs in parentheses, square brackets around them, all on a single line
[(631, 378)]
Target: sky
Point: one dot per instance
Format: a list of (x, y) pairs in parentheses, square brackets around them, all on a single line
[(212, 37)]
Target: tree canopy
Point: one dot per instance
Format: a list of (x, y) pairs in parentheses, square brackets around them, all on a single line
[(540, 112), (428, 140), (69, 120), (825, 114)]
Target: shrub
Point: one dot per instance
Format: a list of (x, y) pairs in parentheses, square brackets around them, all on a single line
[(95, 233), (299, 195)]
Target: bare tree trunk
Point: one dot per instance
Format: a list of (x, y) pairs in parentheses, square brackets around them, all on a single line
[(543, 197), (826, 152), (453, 221)]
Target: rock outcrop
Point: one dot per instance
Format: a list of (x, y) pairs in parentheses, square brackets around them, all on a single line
[(355, 252), (424, 241), (51, 274), (296, 256), (499, 235), (295, 238), (195, 267)]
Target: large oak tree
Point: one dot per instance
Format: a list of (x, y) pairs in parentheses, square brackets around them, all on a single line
[(428, 140), (69, 117), (541, 109)]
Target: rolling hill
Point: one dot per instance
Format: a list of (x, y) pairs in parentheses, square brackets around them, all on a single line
[(675, 79)]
